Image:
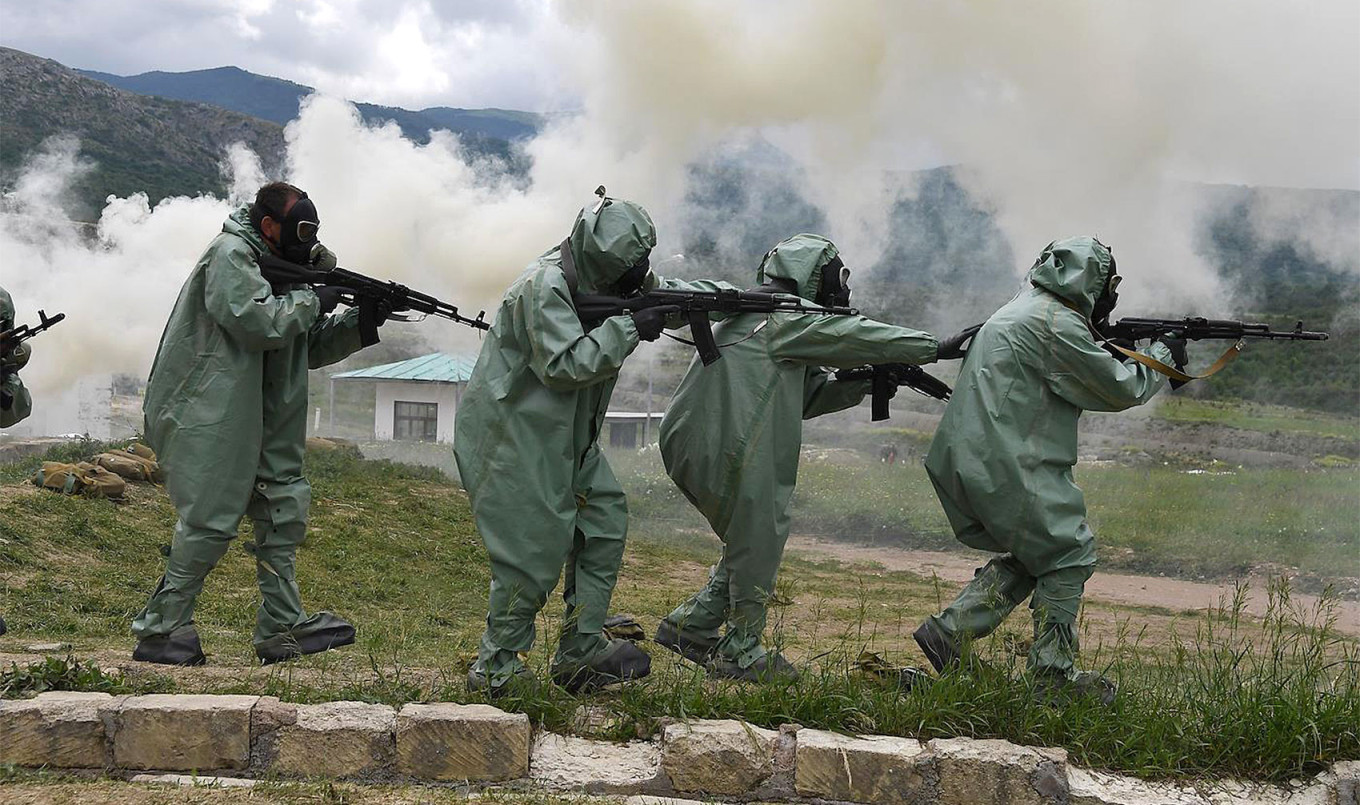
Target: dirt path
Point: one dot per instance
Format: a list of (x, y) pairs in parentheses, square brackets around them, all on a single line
[(1115, 588)]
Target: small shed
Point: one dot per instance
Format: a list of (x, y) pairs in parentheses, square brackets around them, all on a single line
[(416, 399)]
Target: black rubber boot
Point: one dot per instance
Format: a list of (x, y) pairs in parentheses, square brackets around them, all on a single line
[(327, 633), (938, 647), (1057, 689), (692, 647), (522, 683), (180, 647), (770, 668), (620, 662), (2, 626)]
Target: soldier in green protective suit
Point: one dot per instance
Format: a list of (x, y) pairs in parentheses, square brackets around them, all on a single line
[(526, 444), (1002, 458), (731, 439), (15, 401), (226, 412)]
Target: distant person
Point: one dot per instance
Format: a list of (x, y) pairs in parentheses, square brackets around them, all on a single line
[(1001, 460), (528, 451), (887, 454), (226, 412), (15, 401), (732, 436)]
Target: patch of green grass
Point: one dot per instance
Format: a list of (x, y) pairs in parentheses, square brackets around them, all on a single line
[(55, 673), (1258, 417)]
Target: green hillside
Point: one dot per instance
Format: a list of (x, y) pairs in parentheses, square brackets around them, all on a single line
[(138, 143)]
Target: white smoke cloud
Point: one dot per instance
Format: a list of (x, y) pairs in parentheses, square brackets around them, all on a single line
[(1067, 116)]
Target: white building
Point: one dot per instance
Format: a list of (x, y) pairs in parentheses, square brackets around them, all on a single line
[(416, 399)]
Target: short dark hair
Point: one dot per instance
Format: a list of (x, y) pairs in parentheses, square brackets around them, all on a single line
[(271, 200)]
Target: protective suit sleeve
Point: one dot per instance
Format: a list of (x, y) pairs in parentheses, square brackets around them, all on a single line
[(241, 302), (20, 401), (333, 338), (845, 341), (564, 356), (1087, 376), (824, 395)]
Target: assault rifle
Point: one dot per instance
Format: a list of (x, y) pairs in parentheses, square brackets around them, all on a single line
[(696, 306), (887, 377), (1197, 328), (12, 338), (1192, 328), (391, 296)]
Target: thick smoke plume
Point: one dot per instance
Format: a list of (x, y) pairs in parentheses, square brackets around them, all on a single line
[(1065, 116)]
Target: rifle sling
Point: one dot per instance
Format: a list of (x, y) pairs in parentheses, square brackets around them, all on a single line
[(569, 266), (1229, 355)]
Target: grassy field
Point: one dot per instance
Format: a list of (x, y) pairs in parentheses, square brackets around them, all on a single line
[(1211, 524), (392, 548), (1258, 416)]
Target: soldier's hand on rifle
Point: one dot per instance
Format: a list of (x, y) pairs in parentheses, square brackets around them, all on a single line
[(329, 296), (652, 320)]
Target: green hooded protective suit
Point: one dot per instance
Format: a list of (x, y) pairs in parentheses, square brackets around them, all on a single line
[(732, 435), (226, 413), (526, 443), (1002, 458), (15, 401)]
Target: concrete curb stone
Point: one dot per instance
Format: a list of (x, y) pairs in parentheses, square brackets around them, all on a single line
[(973, 771), (336, 739), (878, 768), (569, 763), (168, 732), (723, 757), (63, 729), (462, 742)]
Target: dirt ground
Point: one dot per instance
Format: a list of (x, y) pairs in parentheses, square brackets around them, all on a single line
[(1114, 588)]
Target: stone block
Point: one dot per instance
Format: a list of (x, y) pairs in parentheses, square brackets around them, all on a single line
[(473, 742), (62, 729), (569, 763), (717, 757), (877, 768), (973, 771), (183, 733), (336, 739), (1101, 788), (1347, 780)]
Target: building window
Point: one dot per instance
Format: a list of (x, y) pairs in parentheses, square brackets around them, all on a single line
[(623, 434), (415, 421)]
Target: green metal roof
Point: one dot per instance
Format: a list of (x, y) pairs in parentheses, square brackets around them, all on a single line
[(434, 368)]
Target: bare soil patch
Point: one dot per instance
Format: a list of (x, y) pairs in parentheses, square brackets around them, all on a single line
[(1113, 588)]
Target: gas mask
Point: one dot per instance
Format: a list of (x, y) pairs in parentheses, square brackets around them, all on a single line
[(1109, 297), (835, 287), (630, 283), (297, 229)]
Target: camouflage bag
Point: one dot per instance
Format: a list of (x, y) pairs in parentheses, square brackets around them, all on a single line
[(130, 466), (85, 479)]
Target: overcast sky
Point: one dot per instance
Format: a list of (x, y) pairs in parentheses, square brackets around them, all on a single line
[(411, 53)]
